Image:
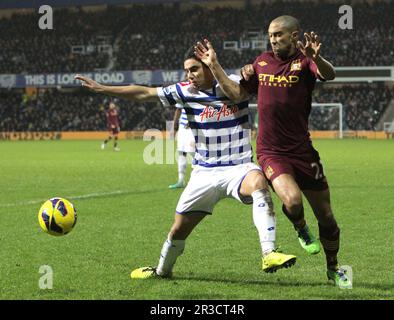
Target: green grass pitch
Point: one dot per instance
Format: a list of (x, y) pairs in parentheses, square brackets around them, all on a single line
[(125, 211)]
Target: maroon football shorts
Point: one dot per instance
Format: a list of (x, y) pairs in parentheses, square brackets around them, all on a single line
[(306, 169), (114, 131)]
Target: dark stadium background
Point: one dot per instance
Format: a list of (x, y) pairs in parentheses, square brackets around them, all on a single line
[(154, 35)]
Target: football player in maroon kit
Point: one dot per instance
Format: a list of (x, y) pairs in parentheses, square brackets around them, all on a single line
[(113, 126), (284, 79)]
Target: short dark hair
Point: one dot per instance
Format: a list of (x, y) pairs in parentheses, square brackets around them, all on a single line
[(191, 55), (289, 22)]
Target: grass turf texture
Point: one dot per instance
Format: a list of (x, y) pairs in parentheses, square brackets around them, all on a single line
[(118, 232)]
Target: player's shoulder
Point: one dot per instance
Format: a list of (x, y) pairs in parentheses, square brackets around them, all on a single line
[(180, 88), (264, 59), (183, 83), (301, 60), (300, 56), (182, 91), (174, 86), (183, 86), (266, 55)]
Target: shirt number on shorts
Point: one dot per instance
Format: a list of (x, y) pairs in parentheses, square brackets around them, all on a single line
[(319, 171)]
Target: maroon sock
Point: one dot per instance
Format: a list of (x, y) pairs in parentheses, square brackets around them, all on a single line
[(329, 238)]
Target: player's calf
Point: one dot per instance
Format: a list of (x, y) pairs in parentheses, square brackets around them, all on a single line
[(256, 186), (264, 220), (294, 211), (305, 236), (329, 238), (170, 251), (116, 148)]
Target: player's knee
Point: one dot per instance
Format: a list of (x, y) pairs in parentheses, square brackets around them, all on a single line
[(292, 201), (257, 181), (326, 218)]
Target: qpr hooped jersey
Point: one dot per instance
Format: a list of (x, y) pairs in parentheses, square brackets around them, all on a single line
[(220, 127), (183, 118)]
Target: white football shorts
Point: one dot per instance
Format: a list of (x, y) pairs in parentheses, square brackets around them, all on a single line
[(185, 140), (207, 186)]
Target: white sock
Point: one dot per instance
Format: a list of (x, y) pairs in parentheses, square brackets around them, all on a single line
[(182, 163), (169, 253), (264, 219)]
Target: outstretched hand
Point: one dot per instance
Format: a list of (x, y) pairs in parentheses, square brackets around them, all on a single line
[(311, 48), (205, 52), (89, 83)]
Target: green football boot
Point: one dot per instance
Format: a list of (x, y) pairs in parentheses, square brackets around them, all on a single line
[(339, 278), (178, 185), (308, 241)]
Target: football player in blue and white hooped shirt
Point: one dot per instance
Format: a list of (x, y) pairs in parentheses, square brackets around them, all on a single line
[(223, 162)]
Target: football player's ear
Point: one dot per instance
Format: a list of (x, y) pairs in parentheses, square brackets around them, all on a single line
[(295, 36)]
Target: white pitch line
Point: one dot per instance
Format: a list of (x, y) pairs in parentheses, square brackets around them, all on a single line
[(85, 196)]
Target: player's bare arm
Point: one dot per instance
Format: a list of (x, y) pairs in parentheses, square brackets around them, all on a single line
[(311, 49), (231, 89), (177, 115), (132, 92)]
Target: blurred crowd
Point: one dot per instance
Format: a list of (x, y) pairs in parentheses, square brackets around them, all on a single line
[(79, 110), (157, 36), (53, 110), (363, 105), (28, 49)]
